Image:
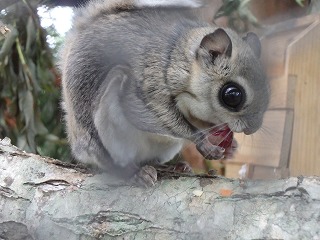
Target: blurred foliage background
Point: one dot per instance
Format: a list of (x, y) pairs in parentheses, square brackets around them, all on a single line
[(30, 113), (243, 15)]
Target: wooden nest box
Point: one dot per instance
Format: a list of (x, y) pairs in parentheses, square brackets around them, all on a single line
[(289, 142)]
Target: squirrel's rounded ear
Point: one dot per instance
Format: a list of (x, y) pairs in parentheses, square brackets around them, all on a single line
[(253, 41), (217, 43)]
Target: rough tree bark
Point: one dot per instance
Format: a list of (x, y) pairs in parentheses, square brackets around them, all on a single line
[(42, 198)]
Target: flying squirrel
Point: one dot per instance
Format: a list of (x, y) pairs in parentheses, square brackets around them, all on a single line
[(140, 77)]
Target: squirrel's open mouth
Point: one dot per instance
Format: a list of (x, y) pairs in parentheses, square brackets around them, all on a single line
[(199, 123), (215, 140)]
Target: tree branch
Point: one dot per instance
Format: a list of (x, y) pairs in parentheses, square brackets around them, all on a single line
[(42, 198)]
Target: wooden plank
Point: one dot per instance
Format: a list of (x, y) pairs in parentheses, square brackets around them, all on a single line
[(262, 172), (304, 58), (269, 146), (274, 51), (232, 169), (274, 59)]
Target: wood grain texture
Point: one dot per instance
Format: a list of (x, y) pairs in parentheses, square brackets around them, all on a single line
[(304, 60), (233, 168), (291, 56)]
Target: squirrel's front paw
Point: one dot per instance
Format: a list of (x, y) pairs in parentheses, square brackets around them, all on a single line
[(218, 143), (213, 152), (210, 151), (146, 176), (177, 167)]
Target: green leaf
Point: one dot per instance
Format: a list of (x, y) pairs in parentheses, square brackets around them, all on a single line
[(26, 80), (48, 110), (247, 14), (13, 79), (300, 3), (22, 142), (227, 8), (31, 35), (26, 106), (40, 127), (32, 72), (52, 138)]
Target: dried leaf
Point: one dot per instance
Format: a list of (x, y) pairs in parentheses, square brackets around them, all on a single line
[(8, 43), (197, 193), (4, 30), (225, 192)]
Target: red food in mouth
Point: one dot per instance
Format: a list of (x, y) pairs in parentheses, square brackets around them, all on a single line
[(221, 136)]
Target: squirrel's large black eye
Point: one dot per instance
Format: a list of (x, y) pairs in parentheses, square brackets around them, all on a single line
[(232, 96)]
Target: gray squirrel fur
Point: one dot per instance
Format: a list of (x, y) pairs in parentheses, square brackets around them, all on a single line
[(138, 80)]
